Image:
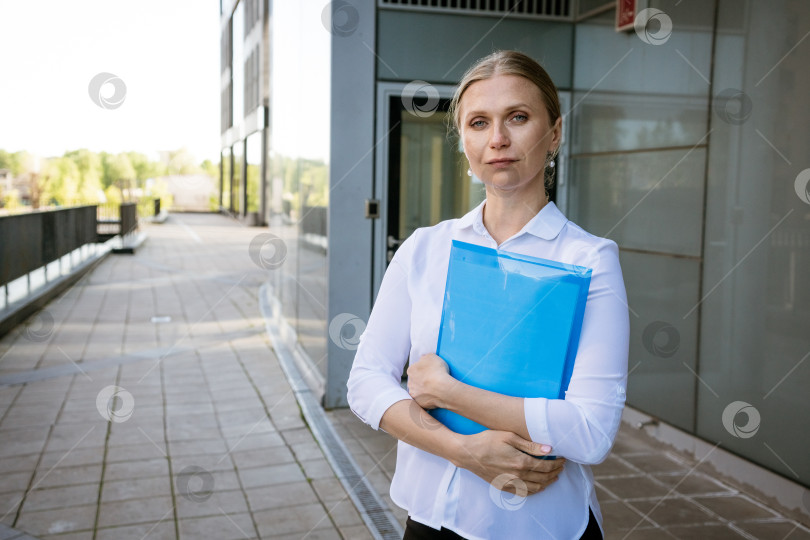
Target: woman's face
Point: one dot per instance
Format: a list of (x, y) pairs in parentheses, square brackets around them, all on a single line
[(506, 132)]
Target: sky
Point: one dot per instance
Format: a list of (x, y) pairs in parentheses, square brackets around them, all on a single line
[(162, 91)]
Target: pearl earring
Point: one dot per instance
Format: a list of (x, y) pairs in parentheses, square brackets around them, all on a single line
[(469, 172)]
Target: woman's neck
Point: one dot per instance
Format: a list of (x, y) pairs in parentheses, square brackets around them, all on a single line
[(506, 214)]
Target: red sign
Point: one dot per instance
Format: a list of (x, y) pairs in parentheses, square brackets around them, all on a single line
[(625, 14)]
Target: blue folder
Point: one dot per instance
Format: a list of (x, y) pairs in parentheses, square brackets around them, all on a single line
[(510, 324)]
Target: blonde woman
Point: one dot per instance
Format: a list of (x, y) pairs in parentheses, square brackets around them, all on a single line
[(507, 113)]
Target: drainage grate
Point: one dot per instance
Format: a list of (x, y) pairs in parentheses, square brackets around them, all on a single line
[(534, 9), (380, 521)]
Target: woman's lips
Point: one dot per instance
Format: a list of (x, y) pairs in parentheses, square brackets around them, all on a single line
[(501, 163)]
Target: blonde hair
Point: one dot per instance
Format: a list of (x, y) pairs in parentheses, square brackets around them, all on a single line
[(510, 63)]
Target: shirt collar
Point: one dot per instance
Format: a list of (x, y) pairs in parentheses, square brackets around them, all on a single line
[(546, 224)]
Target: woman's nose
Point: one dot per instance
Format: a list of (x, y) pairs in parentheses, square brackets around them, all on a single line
[(499, 136)]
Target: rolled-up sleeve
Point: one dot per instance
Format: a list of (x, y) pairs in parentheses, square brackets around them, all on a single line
[(582, 426), (375, 379)]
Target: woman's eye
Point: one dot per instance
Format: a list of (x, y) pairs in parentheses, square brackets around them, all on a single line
[(477, 123), (520, 117)]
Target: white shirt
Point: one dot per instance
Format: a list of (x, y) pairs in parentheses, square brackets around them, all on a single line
[(404, 325)]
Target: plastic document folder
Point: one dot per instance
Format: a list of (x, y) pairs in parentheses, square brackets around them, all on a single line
[(510, 324)]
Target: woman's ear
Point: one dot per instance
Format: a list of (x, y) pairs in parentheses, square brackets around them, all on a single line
[(556, 136)]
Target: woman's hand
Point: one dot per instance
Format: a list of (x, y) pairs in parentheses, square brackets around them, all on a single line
[(502, 459), (428, 380)]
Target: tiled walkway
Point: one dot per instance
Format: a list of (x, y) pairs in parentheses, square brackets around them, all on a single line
[(205, 440), (155, 408)]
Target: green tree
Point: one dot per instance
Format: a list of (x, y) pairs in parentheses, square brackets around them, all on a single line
[(60, 182), (118, 171), (181, 162), (90, 174), (210, 169)]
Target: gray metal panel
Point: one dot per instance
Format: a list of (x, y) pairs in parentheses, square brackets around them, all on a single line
[(351, 180), (439, 48)]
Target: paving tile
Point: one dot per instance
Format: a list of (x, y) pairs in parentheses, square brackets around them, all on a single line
[(211, 504), (163, 530), (356, 532), (635, 487), (658, 463), (673, 511), (281, 495), (222, 527), (75, 457), (329, 489), (271, 475), (21, 463), (134, 488), (705, 532), (618, 516), (344, 513), (242, 442), (318, 534), (14, 482), (135, 452), (246, 459), (210, 463), (9, 502), (67, 476), (45, 499), (303, 518), (735, 507), (58, 520), (694, 484), (640, 534), (613, 466), (82, 535), (144, 468), (117, 513), (317, 468), (196, 448), (782, 529)]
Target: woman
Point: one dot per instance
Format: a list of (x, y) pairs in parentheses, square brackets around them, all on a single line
[(507, 114)]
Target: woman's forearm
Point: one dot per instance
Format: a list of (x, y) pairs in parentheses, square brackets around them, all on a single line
[(495, 411), (407, 421)]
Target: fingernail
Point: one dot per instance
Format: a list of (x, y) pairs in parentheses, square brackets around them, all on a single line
[(545, 449)]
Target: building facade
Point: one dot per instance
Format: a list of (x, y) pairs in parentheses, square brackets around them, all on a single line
[(685, 141)]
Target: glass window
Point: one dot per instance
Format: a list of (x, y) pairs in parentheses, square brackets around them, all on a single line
[(225, 164), (237, 187), (756, 313), (646, 200), (238, 63), (253, 171)]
